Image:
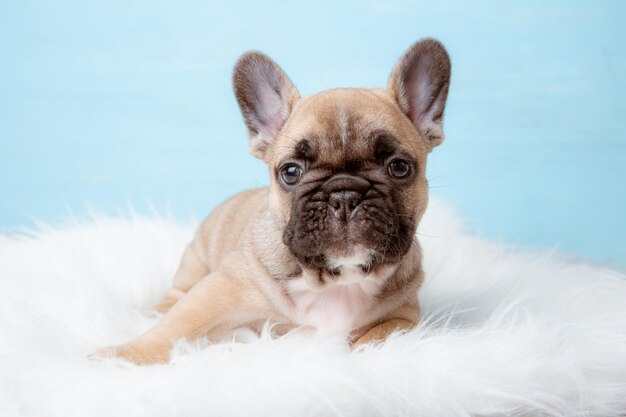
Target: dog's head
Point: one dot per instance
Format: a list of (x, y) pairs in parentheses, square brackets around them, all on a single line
[(347, 166)]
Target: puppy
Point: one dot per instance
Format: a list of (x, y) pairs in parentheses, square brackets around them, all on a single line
[(330, 245)]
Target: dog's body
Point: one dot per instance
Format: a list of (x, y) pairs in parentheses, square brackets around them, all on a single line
[(330, 245)]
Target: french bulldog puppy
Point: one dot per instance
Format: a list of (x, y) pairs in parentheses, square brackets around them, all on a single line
[(330, 245)]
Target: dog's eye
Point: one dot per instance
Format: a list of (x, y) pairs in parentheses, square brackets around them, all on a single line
[(399, 168), (290, 174)]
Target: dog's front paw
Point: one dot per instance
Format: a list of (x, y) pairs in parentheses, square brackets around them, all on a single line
[(140, 355), (379, 333)]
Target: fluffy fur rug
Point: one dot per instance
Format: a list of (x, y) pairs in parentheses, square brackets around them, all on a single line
[(505, 333)]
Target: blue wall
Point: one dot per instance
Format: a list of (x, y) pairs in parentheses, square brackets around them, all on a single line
[(119, 103)]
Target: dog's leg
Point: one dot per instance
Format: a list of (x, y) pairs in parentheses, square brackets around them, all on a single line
[(404, 318), (190, 271), (211, 308)]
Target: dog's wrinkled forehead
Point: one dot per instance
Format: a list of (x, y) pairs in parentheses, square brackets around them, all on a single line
[(342, 125)]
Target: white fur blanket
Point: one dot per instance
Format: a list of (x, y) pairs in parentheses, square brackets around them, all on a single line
[(505, 333)]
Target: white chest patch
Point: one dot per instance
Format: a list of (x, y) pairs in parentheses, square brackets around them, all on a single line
[(336, 308)]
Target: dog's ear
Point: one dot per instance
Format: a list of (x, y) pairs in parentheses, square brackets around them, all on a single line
[(419, 83), (266, 97)]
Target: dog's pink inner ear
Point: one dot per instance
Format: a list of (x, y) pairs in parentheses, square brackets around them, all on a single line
[(419, 83), (266, 97), (271, 110)]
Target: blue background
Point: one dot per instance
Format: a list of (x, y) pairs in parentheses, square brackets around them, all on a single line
[(128, 103)]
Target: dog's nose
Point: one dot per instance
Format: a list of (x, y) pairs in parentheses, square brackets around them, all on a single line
[(343, 203), (345, 193)]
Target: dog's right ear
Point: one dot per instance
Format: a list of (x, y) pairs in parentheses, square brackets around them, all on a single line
[(266, 97)]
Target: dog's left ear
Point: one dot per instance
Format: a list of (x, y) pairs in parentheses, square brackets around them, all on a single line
[(266, 97), (419, 83)]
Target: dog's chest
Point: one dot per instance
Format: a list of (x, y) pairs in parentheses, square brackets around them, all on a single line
[(335, 309)]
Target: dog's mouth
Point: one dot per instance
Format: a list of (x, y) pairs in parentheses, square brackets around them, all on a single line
[(337, 246), (349, 256), (344, 265), (341, 255)]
